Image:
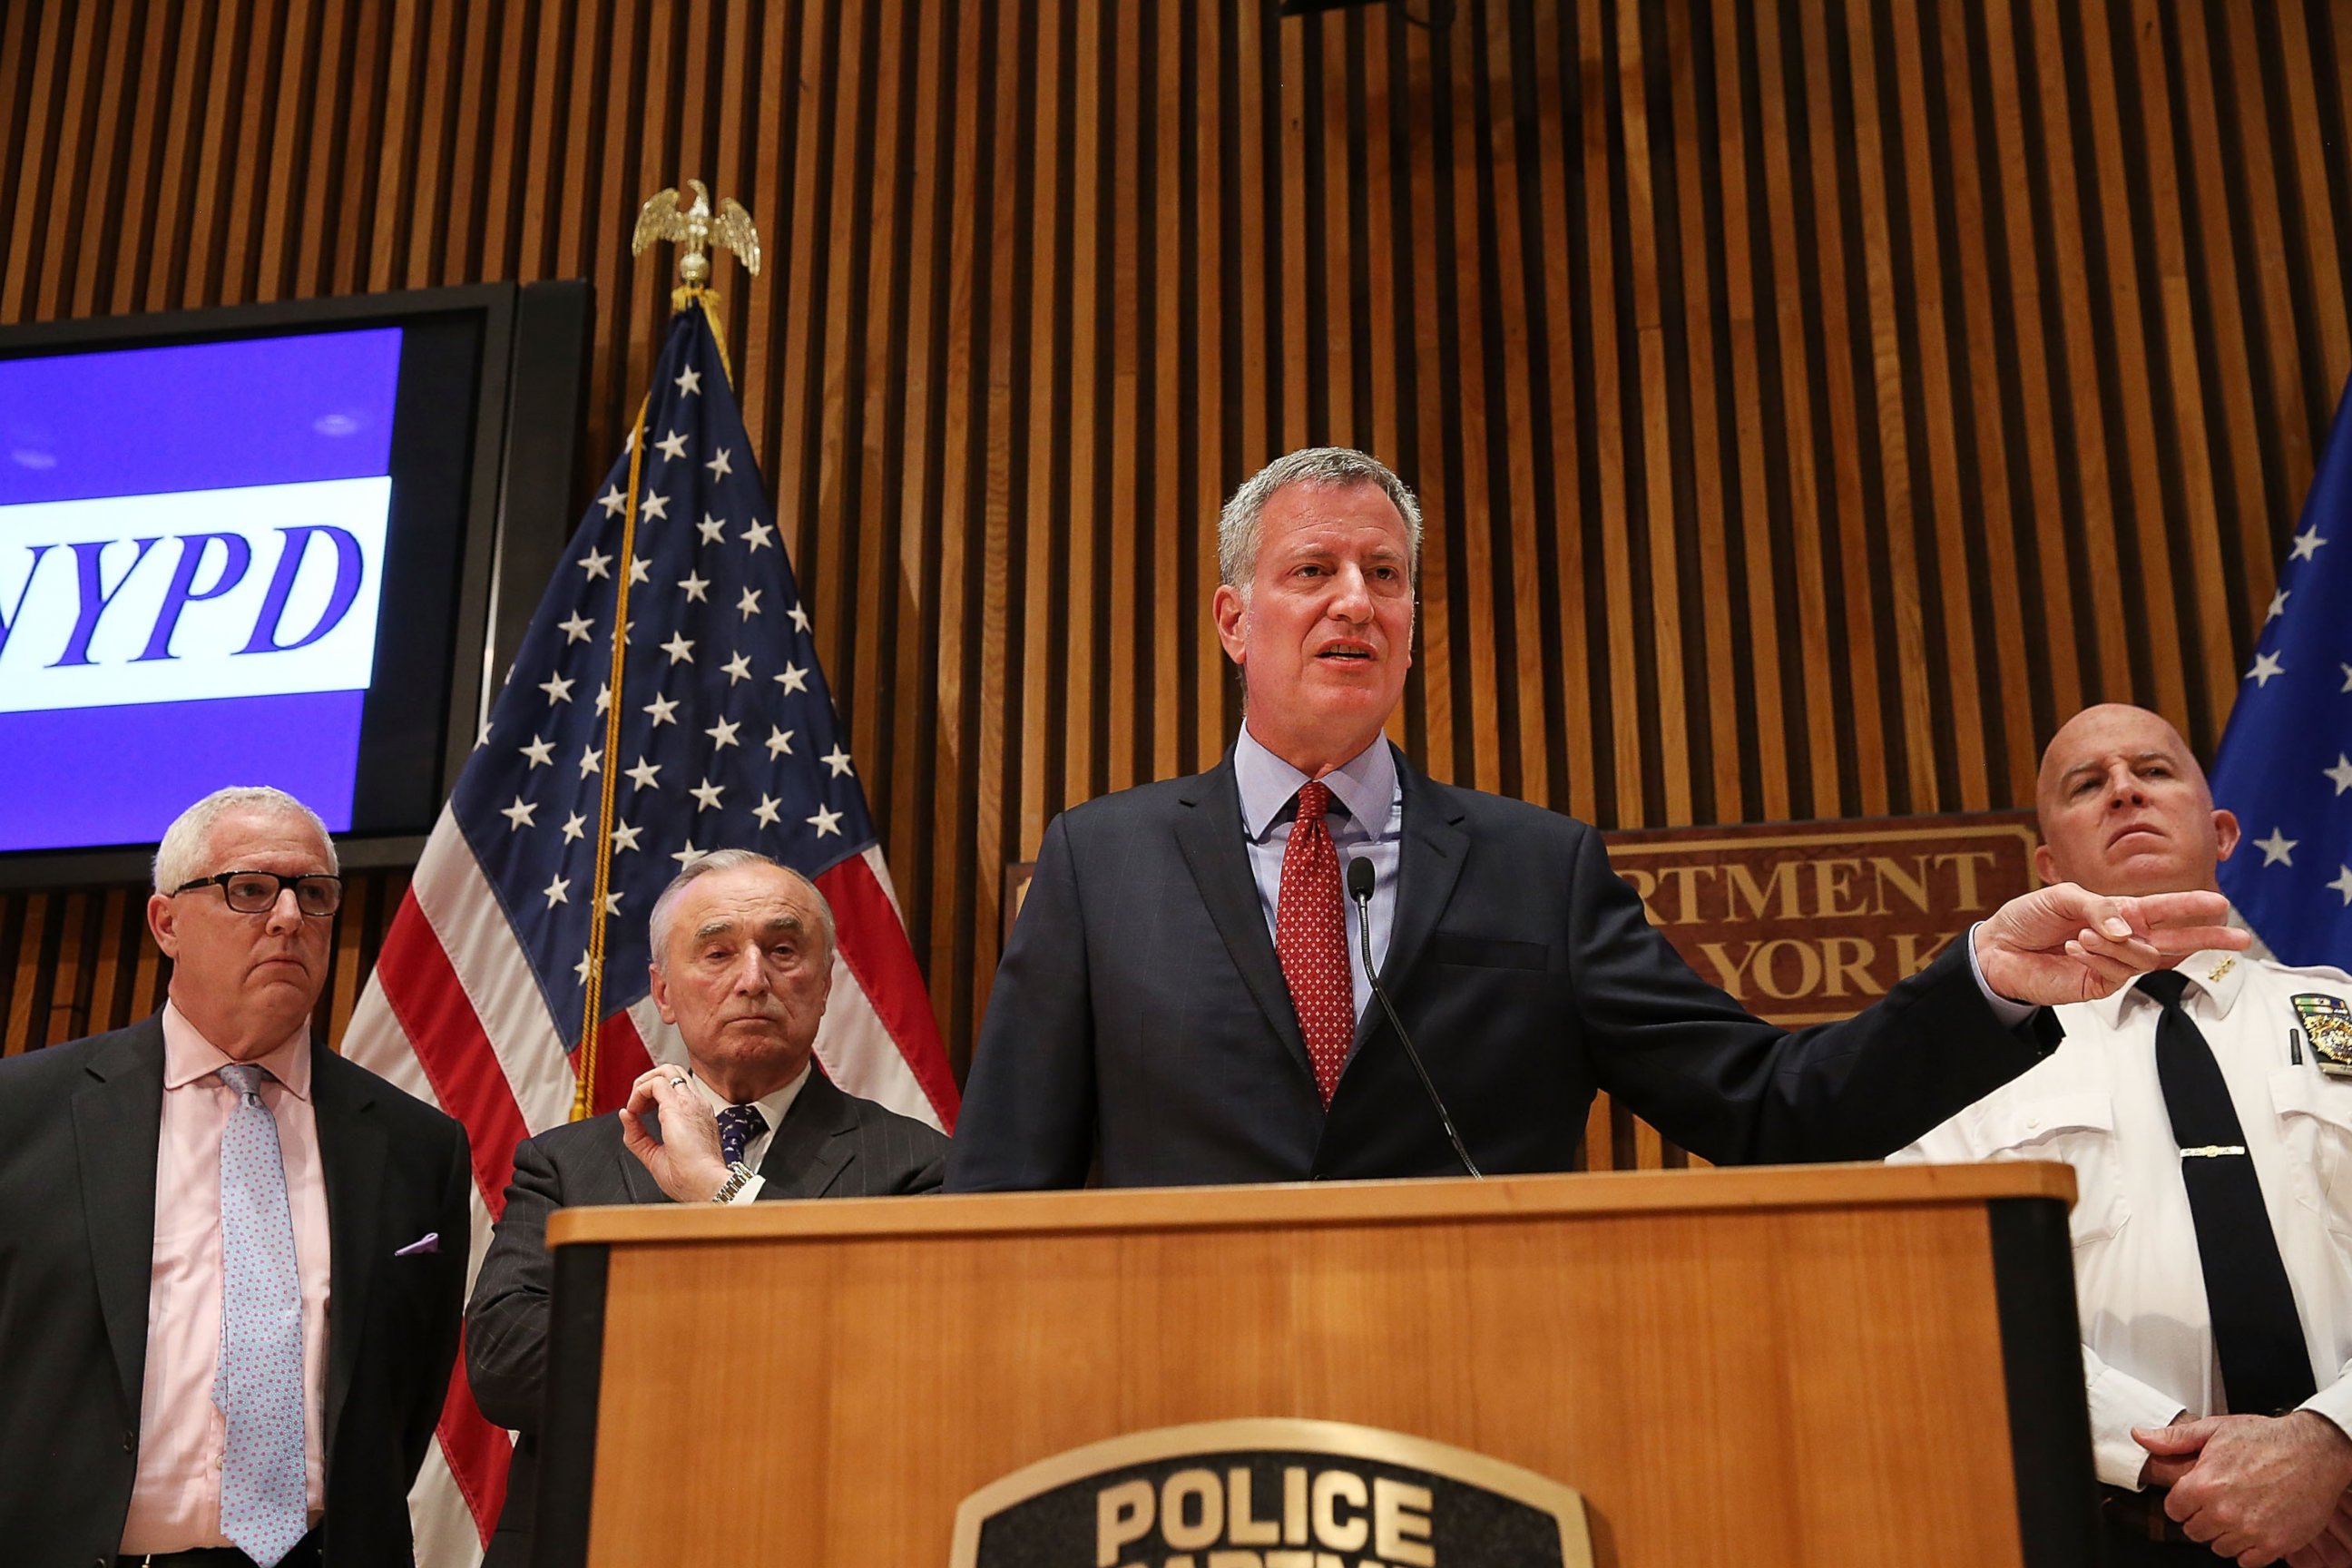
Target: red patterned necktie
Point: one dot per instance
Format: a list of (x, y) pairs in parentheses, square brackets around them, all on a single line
[(1310, 937)]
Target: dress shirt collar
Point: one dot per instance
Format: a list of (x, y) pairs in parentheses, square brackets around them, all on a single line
[(1365, 784), (771, 1105), (2218, 975), (188, 1056)]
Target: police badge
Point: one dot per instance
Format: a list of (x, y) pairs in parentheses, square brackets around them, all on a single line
[(2327, 1024)]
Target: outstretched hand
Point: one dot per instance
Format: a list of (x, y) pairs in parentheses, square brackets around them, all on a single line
[(2065, 944)]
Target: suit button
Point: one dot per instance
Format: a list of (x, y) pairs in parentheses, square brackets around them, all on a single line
[(131, 1442)]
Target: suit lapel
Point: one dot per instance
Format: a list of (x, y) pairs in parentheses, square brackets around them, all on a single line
[(1209, 832), (352, 1152), (810, 1151), (635, 1180), (117, 1119), (1429, 864)]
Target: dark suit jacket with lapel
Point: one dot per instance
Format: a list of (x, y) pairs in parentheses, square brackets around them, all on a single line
[(80, 1125), (830, 1145), (1141, 1013)]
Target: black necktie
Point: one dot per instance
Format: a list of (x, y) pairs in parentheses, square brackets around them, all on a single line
[(2265, 1370)]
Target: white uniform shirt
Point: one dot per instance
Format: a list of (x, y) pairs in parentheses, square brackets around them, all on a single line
[(2095, 1104)]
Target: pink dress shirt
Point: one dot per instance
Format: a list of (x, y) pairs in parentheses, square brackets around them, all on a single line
[(175, 1498)]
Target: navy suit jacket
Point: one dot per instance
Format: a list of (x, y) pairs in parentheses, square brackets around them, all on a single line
[(830, 1145), (1141, 1016), (79, 1127)]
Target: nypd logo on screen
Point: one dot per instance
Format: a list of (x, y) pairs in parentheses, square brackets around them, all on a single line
[(261, 591)]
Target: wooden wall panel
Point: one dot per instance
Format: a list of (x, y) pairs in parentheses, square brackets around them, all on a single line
[(1812, 403)]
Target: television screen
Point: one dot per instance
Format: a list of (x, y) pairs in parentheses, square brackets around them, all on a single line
[(234, 552)]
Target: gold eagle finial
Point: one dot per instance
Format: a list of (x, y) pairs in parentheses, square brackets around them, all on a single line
[(696, 228)]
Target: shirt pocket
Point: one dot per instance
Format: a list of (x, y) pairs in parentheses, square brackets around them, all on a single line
[(2079, 1130), (2314, 1122)]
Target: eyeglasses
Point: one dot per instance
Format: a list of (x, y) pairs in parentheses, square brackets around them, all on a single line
[(316, 894)]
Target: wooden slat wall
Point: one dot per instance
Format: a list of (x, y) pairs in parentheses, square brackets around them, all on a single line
[(1812, 403)]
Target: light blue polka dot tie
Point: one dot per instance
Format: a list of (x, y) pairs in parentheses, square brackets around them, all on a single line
[(258, 1383)]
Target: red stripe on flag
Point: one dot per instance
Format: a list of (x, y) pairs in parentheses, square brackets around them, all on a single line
[(424, 994), (621, 1060), (875, 949), (477, 1453)]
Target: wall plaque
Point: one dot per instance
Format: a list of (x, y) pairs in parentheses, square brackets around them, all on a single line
[(1271, 1493), (1803, 922)]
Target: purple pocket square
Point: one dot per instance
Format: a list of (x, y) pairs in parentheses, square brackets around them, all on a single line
[(429, 1242)]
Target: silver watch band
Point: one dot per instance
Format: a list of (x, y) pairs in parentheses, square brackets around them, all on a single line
[(739, 1174)]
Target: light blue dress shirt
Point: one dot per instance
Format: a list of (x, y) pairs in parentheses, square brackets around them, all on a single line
[(1366, 819)]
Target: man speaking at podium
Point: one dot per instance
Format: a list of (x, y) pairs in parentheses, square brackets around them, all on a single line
[(1185, 997)]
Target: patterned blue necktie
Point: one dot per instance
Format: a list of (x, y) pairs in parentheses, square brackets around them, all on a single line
[(738, 1125), (258, 1382)]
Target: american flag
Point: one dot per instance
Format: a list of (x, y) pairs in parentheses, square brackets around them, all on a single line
[(728, 739), (2286, 762)]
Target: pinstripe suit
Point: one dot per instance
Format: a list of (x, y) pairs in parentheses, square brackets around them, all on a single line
[(830, 1145)]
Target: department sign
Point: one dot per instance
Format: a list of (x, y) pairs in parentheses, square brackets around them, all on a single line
[(1271, 1493)]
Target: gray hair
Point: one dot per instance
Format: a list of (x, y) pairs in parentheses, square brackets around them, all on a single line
[(1337, 468), (180, 858), (666, 907)]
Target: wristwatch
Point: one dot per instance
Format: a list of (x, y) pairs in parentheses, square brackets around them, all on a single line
[(738, 1174)]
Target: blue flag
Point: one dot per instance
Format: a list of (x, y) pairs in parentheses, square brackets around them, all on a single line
[(2286, 762)]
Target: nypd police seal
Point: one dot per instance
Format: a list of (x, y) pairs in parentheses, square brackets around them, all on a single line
[(1271, 1493)]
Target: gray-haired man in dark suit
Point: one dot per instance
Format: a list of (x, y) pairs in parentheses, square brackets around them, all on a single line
[(742, 962)]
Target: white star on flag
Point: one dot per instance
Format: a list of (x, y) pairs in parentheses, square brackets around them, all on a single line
[(800, 620), (722, 734), (688, 382), (556, 891), (836, 759), (2266, 665), (558, 690), (672, 445), (639, 569), (663, 709), (2306, 545), (577, 628), (612, 500), (710, 527), (678, 648), (2278, 604), (575, 826), (757, 536), (826, 822), (642, 774), (2342, 885), (624, 838), (2275, 848), (707, 794), (750, 602), (766, 810), (738, 668), (694, 586), (596, 566), (518, 815), (718, 466), (794, 678), (780, 741), (539, 752), (688, 855), (2341, 774), (655, 505), (592, 761)]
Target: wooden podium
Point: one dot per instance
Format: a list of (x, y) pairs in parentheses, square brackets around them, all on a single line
[(1755, 1368)]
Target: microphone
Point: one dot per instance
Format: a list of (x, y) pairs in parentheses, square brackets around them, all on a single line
[(1359, 889)]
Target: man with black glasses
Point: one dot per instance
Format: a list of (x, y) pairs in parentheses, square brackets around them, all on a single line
[(231, 1262)]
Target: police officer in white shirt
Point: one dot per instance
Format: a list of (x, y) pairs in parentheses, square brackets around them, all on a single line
[(2213, 1149)]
